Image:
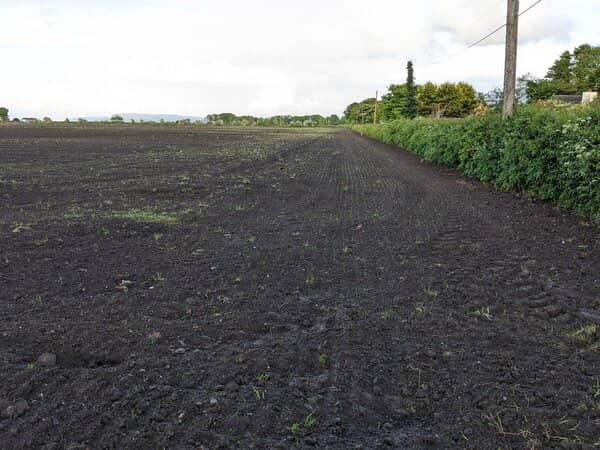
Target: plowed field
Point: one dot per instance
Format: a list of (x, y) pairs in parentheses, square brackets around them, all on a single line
[(271, 288)]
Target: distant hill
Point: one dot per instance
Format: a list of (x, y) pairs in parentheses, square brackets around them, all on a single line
[(127, 117)]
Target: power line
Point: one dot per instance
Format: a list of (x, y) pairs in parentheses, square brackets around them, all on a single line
[(501, 27), (487, 36)]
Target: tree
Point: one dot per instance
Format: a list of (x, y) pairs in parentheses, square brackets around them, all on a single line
[(333, 120), (317, 120), (465, 99), (410, 107), (448, 99), (367, 110), (561, 73), (427, 98), (586, 68), (3, 114), (571, 73), (116, 118), (540, 89), (494, 98), (364, 111), (46, 119), (394, 102), (222, 119), (351, 113)]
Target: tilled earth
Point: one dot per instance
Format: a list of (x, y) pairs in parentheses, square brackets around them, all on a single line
[(190, 287)]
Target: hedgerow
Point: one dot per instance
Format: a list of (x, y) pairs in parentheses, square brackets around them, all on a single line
[(549, 151)]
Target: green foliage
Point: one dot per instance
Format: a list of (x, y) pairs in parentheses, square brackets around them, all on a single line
[(263, 377), (445, 100), (586, 67), (365, 111), (586, 334), (561, 72), (410, 109), (313, 120), (394, 102), (147, 216), (571, 73), (548, 151), (116, 118), (427, 97), (464, 101), (409, 100), (324, 360), (457, 99), (540, 89), (351, 113), (309, 422), (3, 114), (333, 120)]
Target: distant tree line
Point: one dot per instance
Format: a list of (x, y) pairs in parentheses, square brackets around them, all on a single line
[(230, 119), (223, 119), (314, 120)]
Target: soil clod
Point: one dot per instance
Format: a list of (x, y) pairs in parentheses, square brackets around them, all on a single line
[(47, 360)]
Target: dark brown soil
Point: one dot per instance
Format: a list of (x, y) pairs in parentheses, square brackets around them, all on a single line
[(248, 288)]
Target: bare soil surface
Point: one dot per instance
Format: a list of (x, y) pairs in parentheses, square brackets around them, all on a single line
[(267, 288)]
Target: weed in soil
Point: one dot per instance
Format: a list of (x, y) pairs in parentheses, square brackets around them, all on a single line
[(307, 424), (147, 216), (586, 334)]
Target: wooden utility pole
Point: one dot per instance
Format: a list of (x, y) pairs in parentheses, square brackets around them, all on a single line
[(510, 61), (375, 110)]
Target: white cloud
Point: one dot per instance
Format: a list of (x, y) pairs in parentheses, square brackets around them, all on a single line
[(264, 57)]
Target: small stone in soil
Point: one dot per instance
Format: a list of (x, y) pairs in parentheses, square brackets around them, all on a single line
[(401, 414), (155, 336), (17, 409), (47, 359), (430, 440)]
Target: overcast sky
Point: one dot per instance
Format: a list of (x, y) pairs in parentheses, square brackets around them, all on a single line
[(263, 57)]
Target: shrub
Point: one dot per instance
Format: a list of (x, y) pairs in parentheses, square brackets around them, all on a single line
[(550, 152)]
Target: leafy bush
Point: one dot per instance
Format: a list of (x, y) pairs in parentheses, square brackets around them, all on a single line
[(550, 152)]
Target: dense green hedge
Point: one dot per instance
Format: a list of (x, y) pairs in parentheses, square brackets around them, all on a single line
[(551, 152)]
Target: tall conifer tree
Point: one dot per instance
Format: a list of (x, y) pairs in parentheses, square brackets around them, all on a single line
[(410, 109)]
